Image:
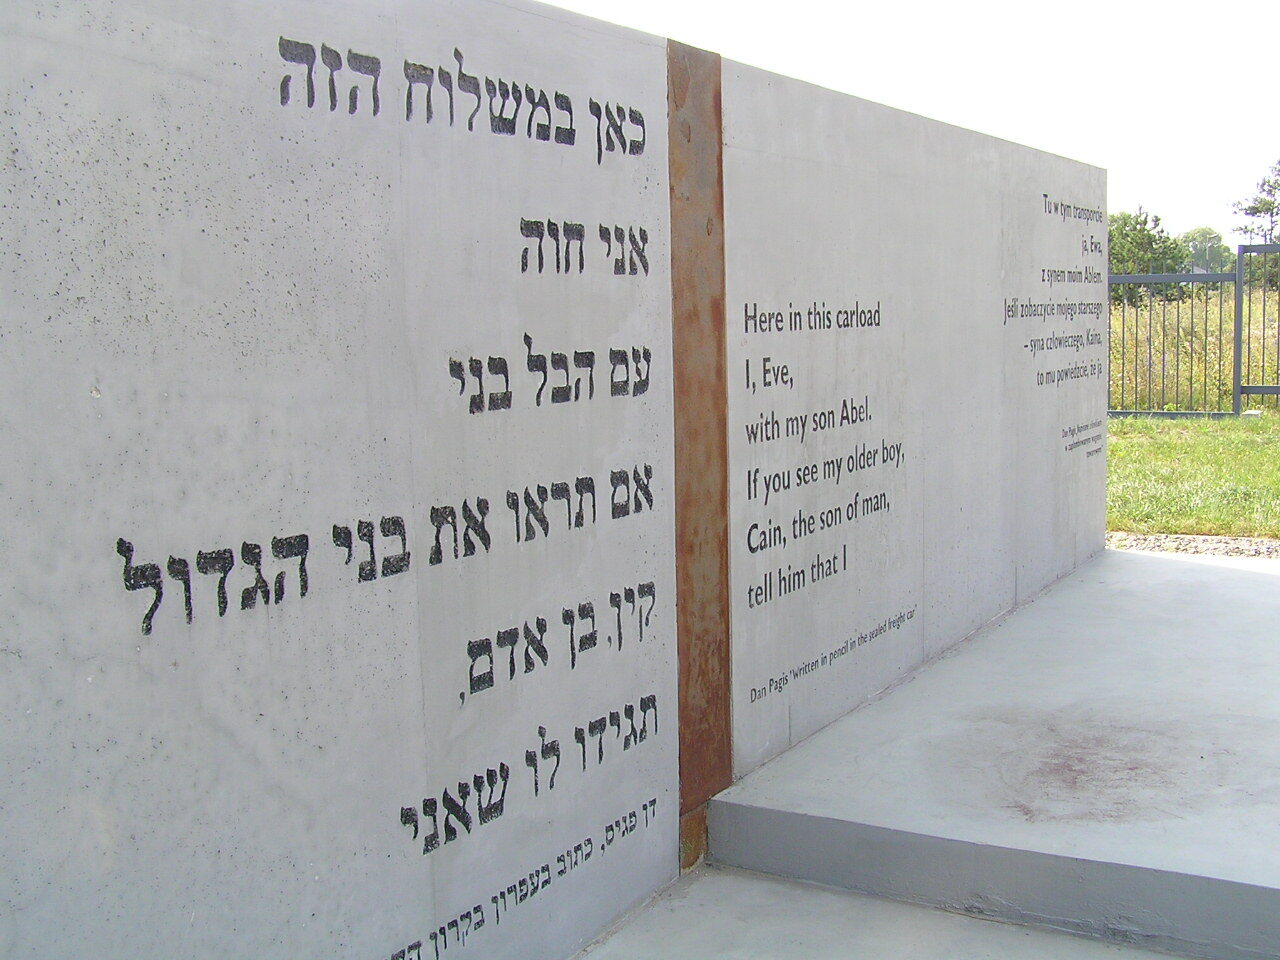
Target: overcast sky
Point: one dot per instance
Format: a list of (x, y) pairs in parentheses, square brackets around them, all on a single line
[(1177, 101)]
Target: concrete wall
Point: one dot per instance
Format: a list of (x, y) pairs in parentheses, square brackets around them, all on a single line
[(899, 474), (338, 419), (229, 321)]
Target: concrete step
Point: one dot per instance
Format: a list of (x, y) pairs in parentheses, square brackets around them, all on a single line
[(1105, 761), (721, 913)]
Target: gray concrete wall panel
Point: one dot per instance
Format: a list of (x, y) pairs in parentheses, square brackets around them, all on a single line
[(393, 278), (900, 470), (338, 425)]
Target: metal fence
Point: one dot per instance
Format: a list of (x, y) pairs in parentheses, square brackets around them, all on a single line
[(1196, 344)]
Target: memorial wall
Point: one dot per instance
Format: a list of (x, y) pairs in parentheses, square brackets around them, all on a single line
[(338, 421), (916, 323)]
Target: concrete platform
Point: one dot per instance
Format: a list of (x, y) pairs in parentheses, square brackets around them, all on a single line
[(1106, 760), (726, 914)]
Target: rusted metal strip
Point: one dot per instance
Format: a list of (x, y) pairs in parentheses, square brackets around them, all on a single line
[(701, 440)]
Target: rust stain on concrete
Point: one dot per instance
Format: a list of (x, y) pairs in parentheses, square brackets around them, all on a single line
[(693, 838)]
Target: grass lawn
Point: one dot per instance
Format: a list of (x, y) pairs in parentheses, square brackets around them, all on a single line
[(1195, 476)]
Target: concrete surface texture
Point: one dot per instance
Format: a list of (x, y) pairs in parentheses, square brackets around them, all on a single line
[(1106, 759), (330, 430), (916, 325), (337, 420), (719, 913)]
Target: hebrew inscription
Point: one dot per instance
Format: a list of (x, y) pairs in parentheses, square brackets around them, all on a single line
[(345, 334), (618, 130)]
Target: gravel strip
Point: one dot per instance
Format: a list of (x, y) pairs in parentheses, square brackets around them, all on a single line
[(1189, 543)]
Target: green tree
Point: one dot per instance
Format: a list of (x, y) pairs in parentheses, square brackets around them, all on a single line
[(1262, 210), (1206, 251), (1139, 244), (1262, 225)]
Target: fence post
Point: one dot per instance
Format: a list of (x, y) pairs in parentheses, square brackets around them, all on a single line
[(1236, 372)]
